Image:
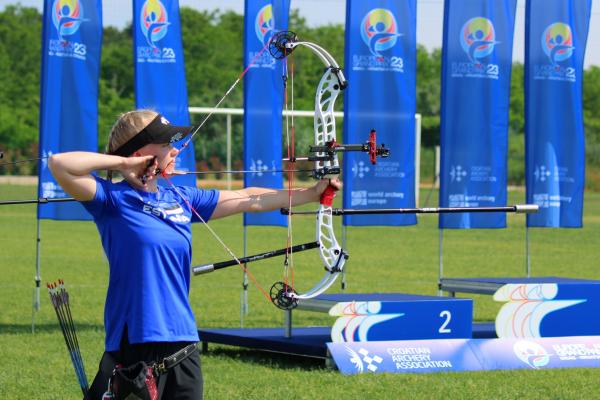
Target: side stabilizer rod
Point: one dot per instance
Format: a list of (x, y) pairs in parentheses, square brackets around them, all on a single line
[(206, 268), (41, 200)]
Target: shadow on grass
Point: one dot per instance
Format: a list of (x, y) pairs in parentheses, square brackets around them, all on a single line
[(45, 328), (266, 358)]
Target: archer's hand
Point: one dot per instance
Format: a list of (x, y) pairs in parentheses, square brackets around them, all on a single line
[(139, 170), (323, 184)]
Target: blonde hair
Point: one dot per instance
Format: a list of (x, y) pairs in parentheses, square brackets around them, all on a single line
[(127, 126)]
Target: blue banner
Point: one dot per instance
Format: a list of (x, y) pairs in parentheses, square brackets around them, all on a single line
[(160, 82), (381, 56), (556, 34), (427, 356), (263, 102), (71, 42), (476, 67)]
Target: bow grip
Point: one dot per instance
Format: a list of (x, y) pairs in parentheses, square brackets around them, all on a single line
[(327, 196)]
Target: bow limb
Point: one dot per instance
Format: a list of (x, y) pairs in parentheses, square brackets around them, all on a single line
[(332, 255)]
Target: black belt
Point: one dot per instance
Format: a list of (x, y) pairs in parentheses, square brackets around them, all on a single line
[(169, 362)]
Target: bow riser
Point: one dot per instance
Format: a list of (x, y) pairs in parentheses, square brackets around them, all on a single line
[(324, 123)]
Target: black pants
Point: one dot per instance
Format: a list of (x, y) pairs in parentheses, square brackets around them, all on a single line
[(182, 382)]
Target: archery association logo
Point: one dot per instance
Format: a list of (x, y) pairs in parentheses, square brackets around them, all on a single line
[(154, 23), (379, 32), (557, 45), (478, 41), (67, 17), (531, 353), (362, 359)]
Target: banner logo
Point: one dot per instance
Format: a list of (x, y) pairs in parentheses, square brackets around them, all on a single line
[(265, 24), (379, 30), (264, 27), (478, 41), (67, 16), (154, 21), (478, 38), (557, 42), (531, 353)]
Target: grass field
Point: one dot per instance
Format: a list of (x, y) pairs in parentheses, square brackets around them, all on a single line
[(36, 366)]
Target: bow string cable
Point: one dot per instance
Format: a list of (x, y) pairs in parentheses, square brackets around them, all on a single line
[(288, 262)]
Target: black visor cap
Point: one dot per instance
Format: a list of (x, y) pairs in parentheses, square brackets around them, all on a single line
[(158, 131)]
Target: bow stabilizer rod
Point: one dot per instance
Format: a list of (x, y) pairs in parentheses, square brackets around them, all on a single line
[(517, 209), (40, 200), (206, 268)]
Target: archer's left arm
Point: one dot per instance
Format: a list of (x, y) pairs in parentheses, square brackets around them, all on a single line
[(255, 199)]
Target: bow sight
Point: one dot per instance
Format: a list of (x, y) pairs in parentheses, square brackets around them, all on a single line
[(328, 152)]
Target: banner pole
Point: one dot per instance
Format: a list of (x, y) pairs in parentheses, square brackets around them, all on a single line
[(36, 290), (244, 296), (441, 264), (344, 241), (527, 253), (228, 151), (417, 158)]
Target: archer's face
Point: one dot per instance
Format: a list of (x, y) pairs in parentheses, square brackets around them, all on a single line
[(165, 155)]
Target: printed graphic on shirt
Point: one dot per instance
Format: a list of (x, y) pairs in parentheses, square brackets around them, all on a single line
[(171, 211)]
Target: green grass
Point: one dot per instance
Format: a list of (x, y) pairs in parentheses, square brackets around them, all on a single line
[(404, 259)]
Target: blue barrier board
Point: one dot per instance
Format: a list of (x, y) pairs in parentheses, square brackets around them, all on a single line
[(427, 356)]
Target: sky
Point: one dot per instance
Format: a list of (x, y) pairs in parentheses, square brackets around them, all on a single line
[(322, 12)]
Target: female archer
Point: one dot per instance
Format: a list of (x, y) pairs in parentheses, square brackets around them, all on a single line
[(145, 232)]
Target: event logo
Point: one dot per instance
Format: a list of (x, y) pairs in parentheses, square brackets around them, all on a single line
[(557, 42), (557, 45), (478, 40), (379, 32), (67, 16), (531, 353), (154, 23), (265, 24), (264, 27)]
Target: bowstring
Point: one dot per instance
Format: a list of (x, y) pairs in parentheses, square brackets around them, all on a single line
[(291, 151)]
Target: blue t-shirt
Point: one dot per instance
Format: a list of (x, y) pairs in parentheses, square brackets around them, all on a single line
[(148, 241)]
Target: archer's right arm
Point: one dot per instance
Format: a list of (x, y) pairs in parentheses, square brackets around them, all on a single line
[(73, 170)]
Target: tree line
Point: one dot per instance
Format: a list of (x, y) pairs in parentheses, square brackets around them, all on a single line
[(213, 45)]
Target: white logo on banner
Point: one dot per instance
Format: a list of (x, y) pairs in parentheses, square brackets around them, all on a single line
[(542, 173), (360, 169), (370, 361), (363, 358), (259, 167), (531, 353), (457, 173)]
